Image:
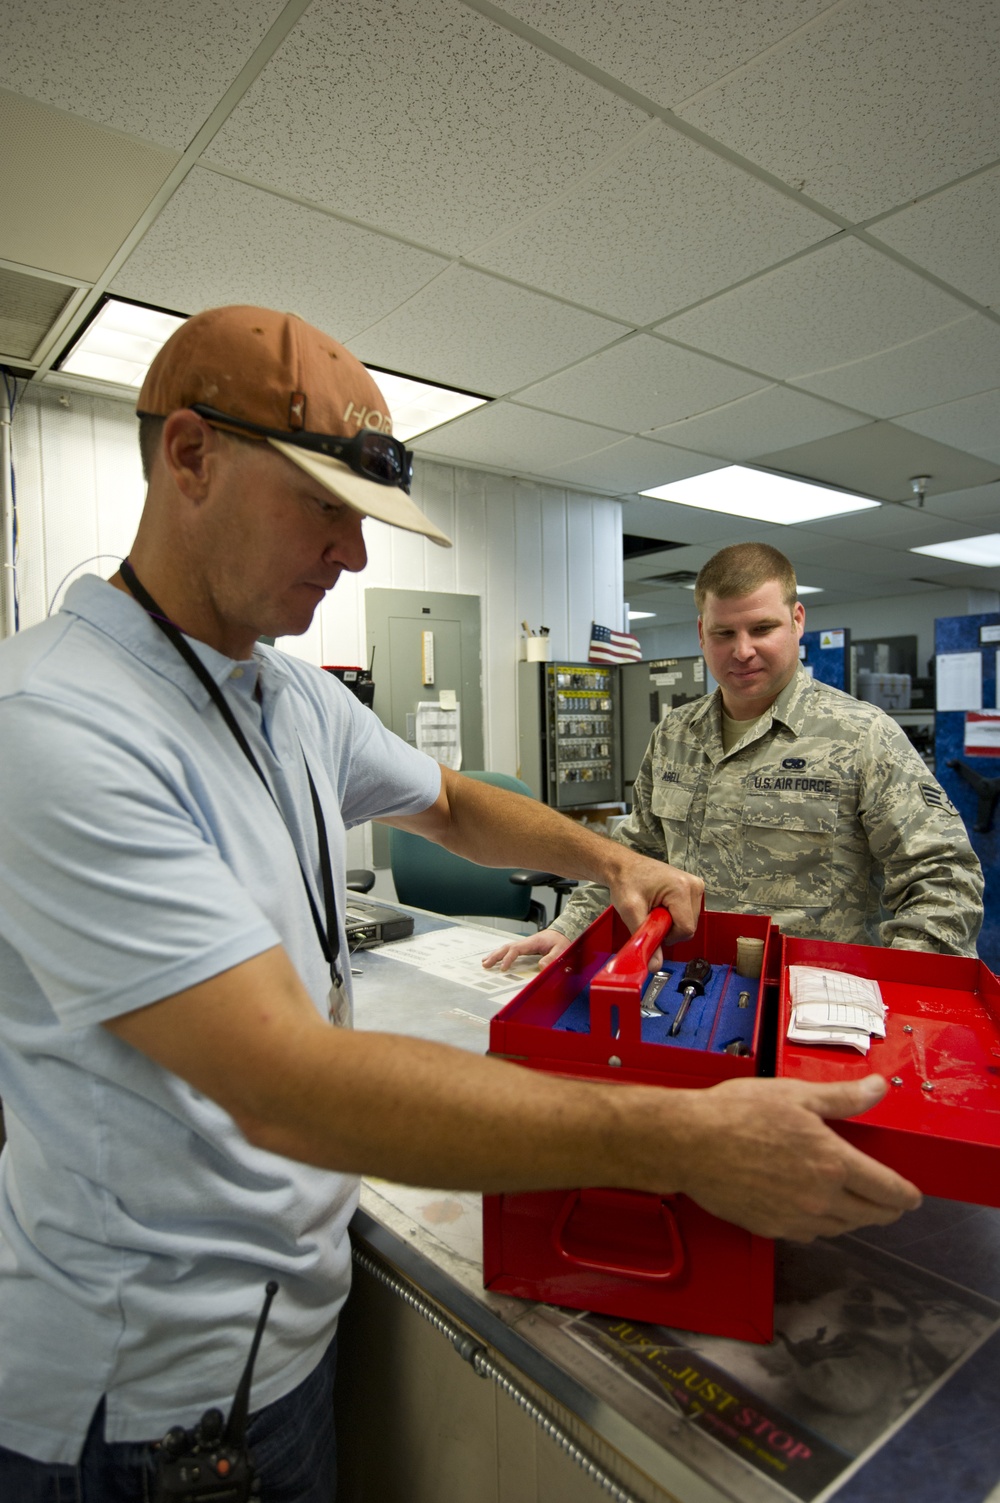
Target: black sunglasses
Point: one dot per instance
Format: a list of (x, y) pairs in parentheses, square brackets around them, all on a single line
[(376, 456)]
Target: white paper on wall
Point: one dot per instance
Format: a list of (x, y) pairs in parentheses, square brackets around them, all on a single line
[(439, 732), (959, 681)]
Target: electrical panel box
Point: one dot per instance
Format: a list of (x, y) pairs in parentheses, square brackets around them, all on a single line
[(569, 730), (648, 691)]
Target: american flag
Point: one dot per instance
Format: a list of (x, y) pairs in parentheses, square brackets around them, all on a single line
[(607, 646)]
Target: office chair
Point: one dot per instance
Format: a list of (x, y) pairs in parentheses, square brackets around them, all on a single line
[(428, 876)]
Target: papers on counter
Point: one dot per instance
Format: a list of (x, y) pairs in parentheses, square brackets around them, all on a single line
[(832, 1007)]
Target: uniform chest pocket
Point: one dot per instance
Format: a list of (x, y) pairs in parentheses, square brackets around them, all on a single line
[(788, 848), (670, 803)]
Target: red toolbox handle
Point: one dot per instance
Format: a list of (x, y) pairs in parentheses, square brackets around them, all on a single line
[(611, 1209), (621, 982)]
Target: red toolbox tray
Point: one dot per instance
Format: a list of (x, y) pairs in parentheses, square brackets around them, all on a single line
[(646, 1257), (939, 1123)]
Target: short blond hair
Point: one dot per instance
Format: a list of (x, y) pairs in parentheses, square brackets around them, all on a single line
[(742, 569)]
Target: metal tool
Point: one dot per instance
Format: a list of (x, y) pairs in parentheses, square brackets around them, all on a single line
[(736, 1047), (653, 990), (744, 1000), (692, 984)]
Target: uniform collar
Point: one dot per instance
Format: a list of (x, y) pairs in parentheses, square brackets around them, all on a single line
[(789, 708), (116, 615)]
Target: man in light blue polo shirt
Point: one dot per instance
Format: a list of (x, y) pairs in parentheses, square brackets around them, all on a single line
[(183, 1122)]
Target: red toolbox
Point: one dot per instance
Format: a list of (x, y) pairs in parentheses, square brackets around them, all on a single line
[(654, 1258), (939, 1123)]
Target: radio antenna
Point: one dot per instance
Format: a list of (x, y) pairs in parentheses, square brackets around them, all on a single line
[(236, 1425)]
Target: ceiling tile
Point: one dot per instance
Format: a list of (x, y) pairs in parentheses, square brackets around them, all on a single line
[(634, 464), (156, 71), (666, 52), (618, 243), (870, 105), (871, 559), (514, 438), (879, 460), (971, 505), (639, 384), (769, 419), (896, 526), (843, 301), (972, 424), (690, 524), (426, 120), (949, 363), (955, 235), (448, 332), (219, 241), (60, 171)]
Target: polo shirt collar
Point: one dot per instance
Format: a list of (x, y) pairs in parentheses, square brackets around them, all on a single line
[(118, 616)]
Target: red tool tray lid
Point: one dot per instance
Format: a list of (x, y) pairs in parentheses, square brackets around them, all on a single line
[(525, 1028), (939, 1123)]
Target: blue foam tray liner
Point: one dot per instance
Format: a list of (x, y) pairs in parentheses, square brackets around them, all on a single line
[(712, 1020)]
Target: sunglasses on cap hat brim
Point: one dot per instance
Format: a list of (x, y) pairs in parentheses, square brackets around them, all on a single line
[(373, 455)]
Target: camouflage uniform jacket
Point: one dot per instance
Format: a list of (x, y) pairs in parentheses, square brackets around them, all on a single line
[(823, 816)]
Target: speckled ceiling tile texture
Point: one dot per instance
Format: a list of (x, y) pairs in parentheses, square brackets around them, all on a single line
[(449, 332), (870, 105), (155, 71), (220, 241), (665, 51), (948, 233), (939, 367), (640, 384), (769, 419), (436, 124), (619, 243), (843, 302)]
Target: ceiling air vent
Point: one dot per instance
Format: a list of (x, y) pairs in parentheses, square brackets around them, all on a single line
[(29, 306), (634, 546), (677, 577)]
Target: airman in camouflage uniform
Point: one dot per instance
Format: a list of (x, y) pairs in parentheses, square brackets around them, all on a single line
[(823, 816), (788, 797)]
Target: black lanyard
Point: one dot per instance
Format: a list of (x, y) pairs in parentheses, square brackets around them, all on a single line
[(329, 937)]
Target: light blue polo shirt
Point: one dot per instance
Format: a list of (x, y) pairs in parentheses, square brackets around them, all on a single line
[(140, 855)]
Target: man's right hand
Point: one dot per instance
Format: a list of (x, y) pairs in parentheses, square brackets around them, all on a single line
[(759, 1153), (546, 944)]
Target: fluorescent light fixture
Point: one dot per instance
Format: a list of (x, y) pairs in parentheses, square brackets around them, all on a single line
[(984, 550), (640, 615), (120, 343), (759, 495), (418, 406), (809, 589)]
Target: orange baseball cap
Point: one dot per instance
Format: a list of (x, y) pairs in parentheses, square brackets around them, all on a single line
[(273, 377)]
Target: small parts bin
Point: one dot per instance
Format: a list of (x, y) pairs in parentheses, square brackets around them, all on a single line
[(939, 1123), (646, 1257)]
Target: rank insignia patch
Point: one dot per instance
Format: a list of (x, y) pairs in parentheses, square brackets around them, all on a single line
[(936, 798)]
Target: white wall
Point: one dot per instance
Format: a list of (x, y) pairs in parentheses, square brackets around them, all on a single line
[(544, 554)]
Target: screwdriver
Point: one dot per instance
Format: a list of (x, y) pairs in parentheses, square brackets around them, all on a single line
[(692, 984)]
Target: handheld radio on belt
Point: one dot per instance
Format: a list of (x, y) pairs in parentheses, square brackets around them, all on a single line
[(210, 1463)]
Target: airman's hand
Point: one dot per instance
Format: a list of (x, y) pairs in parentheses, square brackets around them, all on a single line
[(546, 944)]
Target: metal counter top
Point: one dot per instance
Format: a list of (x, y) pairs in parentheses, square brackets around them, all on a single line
[(885, 1385)]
